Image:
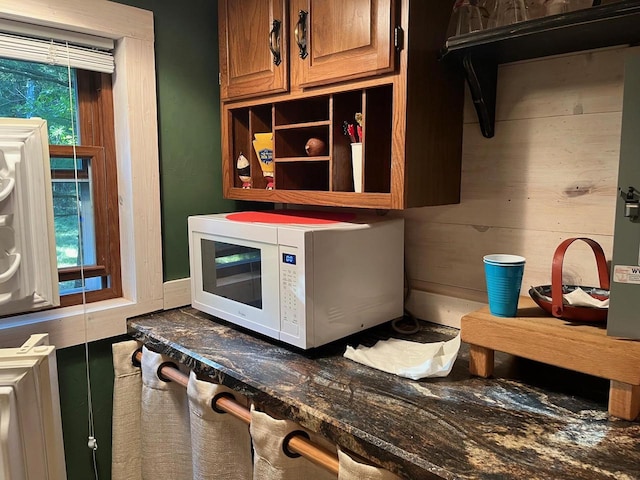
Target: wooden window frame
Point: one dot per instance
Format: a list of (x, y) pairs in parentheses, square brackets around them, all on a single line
[(97, 143)]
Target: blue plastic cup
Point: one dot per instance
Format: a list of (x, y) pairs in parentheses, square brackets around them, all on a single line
[(503, 274)]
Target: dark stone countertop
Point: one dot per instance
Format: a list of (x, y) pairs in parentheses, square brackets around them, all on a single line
[(532, 421)]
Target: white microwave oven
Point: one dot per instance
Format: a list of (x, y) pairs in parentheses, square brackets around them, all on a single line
[(305, 278)]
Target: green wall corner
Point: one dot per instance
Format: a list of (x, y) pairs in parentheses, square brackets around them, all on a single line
[(186, 53)]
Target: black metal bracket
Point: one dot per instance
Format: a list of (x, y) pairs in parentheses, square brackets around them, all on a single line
[(482, 78), (480, 53)]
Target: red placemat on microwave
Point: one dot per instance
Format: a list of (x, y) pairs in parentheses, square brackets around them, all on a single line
[(303, 217)]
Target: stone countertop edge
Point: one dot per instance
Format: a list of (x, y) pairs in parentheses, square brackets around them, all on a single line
[(458, 427)]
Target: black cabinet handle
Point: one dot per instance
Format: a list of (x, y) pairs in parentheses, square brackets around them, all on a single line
[(274, 42), (301, 33)]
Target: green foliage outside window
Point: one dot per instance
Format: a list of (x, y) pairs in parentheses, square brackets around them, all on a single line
[(38, 90)]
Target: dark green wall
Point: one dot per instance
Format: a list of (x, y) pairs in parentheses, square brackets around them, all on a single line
[(189, 129), (186, 45), (72, 381)]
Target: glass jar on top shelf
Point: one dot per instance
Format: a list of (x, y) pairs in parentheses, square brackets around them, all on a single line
[(507, 12), (466, 17)]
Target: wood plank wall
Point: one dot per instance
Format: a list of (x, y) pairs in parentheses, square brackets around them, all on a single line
[(550, 173)]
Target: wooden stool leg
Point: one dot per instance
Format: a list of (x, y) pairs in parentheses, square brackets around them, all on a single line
[(624, 400), (480, 361)]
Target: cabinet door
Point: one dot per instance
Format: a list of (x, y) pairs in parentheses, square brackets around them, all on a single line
[(253, 47), (343, 39)]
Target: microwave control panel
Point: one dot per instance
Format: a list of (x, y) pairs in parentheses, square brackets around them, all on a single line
[(291, 306)]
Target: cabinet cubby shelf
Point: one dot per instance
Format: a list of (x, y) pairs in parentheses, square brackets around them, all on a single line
[(330, 168), (322, 123), (301, 159), (480, 53), (330, 198)]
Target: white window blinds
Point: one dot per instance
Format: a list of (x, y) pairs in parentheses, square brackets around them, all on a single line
[(33, 43)]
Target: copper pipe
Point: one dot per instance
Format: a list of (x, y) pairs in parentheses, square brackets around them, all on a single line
[(297, 443), (314, 453)]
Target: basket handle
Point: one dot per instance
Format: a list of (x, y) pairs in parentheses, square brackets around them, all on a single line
[(556, 271)]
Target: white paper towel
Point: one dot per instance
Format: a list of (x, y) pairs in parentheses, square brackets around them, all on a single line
[(408, 359), (580, 298)]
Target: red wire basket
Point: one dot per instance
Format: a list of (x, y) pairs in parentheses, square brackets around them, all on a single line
[(550, 297)]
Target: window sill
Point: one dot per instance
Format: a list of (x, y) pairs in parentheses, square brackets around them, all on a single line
[(66, 326)]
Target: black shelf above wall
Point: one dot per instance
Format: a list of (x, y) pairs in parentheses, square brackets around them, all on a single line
[(480, 53)]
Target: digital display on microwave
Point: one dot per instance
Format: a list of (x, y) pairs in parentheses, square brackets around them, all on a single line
[(289, 258)]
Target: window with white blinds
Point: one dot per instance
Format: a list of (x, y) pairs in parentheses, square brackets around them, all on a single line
[(44, 75), (20, 41), (136, 137)]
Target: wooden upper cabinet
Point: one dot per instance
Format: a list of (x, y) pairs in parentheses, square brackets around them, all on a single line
[(253, 47), (335, 40), (402, 148)]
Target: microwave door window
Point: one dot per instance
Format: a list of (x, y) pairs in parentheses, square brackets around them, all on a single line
[(232, 271)]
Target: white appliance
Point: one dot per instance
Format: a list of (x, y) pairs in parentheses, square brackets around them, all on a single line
[(31, 445), (28, 268), (305, 278)]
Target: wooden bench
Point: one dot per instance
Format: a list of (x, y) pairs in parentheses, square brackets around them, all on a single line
[(579, 347)]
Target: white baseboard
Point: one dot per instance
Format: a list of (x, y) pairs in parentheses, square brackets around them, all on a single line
[(441, 309), (177, 293)]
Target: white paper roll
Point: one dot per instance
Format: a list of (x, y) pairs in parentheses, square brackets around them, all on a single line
[(356, 162)]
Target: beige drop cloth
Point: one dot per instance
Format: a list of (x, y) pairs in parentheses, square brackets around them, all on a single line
[(352, 469), (166, 435), (221, 443), (162, 431), (270, 461), (126, 459)]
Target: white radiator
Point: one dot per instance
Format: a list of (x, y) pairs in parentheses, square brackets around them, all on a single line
[(31, 445), (28, 267)]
